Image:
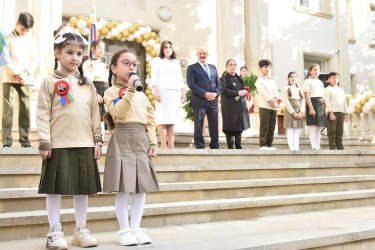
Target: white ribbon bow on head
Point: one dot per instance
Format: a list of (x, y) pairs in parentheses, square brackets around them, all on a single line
[(61, 39)]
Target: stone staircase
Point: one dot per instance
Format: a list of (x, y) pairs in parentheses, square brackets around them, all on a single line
[(199, 186)]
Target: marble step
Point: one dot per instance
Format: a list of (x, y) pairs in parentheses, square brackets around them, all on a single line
[(31, 224), (28, 199)]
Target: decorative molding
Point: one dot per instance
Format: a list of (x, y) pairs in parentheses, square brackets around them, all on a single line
[(313, 12)]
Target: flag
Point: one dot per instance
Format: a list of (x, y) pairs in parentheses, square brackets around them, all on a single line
[(92, 34), (5, 54)]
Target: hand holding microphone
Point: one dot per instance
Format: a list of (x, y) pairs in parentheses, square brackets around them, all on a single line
[(137, 83)]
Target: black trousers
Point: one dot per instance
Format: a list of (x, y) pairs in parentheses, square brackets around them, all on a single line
[(212, 116), (233, 137), (267, 119)]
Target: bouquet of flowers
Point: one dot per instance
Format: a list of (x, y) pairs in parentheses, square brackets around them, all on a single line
[(249, 86)]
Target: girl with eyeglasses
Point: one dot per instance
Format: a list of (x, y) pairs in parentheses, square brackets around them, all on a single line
[(129, 167)]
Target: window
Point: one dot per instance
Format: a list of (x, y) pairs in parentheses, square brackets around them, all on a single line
[(320, 8), (372, 25), (307, 61), (349, 16)]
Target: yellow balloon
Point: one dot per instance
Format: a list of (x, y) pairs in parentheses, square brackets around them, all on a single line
[(154, 53), (282, 110), (148, 69), (153, 35), (118, 37), (153, 103), (362, 101), (355, 95), (125, 33), (358, 110), (73, 22), (114, 24), (97, 33), (88, 22), (150, 97), (146, 36), (80, 17), (157, 40), (348, 98), (139, 39), (373, 109), (136, 26), (109, 26), (358, 106), (148, 91), (112, 38), (368, 96), (149, 74), (147, 64), (148, 49), (131, 29), (104, 31)]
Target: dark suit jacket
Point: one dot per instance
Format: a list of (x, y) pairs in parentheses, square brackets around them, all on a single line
[(199, 83)]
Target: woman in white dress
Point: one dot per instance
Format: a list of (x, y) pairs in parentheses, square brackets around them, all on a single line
[(169, 89)]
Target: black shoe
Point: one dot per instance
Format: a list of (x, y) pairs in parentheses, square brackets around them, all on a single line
[(6, 146), (27, 146)]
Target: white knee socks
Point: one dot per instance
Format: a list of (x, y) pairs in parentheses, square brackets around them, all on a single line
[(103, 129), (53, 203), (292, 135), (122, 209), (80, 208), (315, 135)]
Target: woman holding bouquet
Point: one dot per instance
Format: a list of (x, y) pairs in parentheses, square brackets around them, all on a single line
[(233, 105)]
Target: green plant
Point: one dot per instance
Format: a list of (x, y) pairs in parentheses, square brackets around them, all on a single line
[(249, 81), (188, 109)]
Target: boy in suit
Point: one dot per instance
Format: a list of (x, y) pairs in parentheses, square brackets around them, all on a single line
[(203, 80), (268, 96)]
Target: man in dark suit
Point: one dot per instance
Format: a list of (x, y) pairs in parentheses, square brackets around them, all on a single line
[(203, 80)]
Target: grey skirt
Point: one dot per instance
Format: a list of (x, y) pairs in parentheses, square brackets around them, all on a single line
[(320, 118), (70, 171), (289, 120), (127, 166)]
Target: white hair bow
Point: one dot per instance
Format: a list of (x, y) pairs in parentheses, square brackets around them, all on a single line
[(61, 39)]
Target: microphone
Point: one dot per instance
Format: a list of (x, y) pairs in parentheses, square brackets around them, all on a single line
[(137, 83)]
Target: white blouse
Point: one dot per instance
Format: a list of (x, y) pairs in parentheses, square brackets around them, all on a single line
[(295, 95), (314, 87), (166, 74)]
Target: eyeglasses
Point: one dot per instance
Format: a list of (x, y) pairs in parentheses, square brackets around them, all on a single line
[(127, 63)]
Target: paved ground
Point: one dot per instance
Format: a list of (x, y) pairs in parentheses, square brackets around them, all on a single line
[(269, 232)]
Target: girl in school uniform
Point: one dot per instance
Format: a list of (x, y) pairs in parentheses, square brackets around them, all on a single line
[(70, 140), (316, 108), (99, 71), (128, 166), (292, 96)]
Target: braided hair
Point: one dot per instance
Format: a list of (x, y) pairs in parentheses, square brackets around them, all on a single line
[(70, 38), (289, 90)]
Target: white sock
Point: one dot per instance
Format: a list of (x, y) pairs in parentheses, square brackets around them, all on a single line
[(122, 209), (318, 136), (53, 203), (296, 138), (289, 136), (312, 135), (80, 208), (136, 210)]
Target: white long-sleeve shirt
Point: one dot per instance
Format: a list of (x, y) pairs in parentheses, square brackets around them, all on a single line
[(295, 95), (336, 99), (267, 90), (166, 74)]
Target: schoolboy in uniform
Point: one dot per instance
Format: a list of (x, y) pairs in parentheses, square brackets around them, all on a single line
[(268, 96), (338, 111), (18, 77)]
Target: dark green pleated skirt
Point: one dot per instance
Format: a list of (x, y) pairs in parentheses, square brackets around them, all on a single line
[(320, 118), (101, 87), (70, 171)]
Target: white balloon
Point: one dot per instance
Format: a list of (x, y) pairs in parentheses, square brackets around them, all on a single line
[(372, 101), (123, 39), (359, 97), (126, 24), (130, 37), (141, 30), (367, 106), (99, 26), (81, 23), (136, 34), (85, 31), (148, 30), (156, 46), (120, 27), (114, 32), (103, 22), (109, 35), (149, 59), (151, 42), (144, 43), (101, 37), (148, 81), (365, 110), (352, 102), (351, 110)]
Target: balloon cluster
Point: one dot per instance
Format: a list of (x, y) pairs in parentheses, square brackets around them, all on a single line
[(361, 103), (124, 31)]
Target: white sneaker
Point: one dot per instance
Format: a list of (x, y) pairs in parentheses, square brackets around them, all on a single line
[(82, 237), (126, 238), (55, 238), (272, 148), (142, 238), (264, 148)]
